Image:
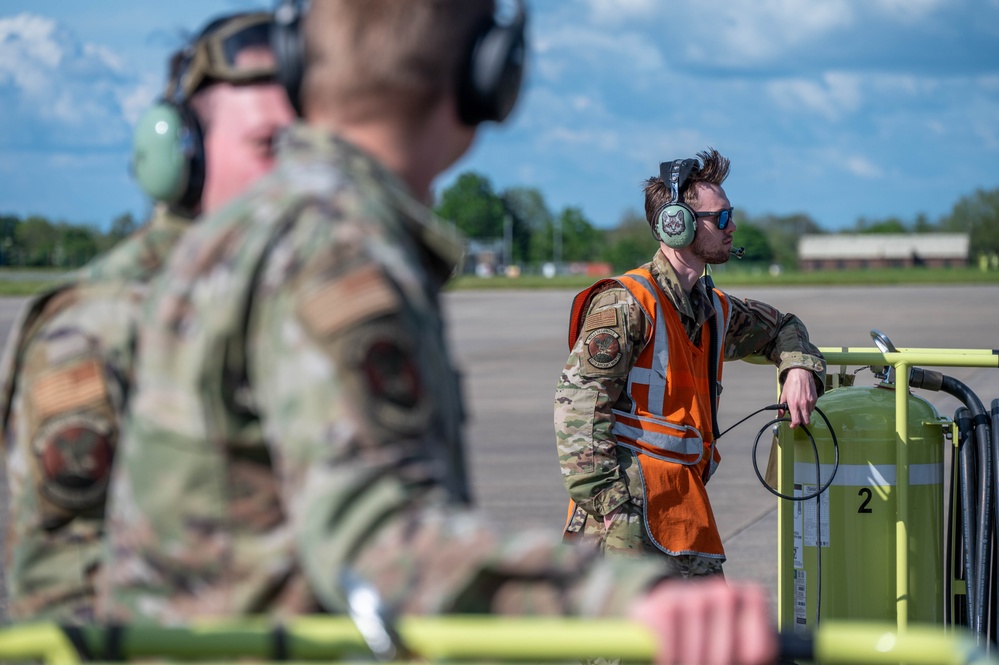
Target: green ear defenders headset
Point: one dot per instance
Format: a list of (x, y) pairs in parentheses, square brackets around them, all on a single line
[(168, 152), (168, 155), (675, 223), (489, 77)]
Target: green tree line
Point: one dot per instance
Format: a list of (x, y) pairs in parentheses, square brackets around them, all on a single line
[(36, 242), (522, 230), (520, 222)]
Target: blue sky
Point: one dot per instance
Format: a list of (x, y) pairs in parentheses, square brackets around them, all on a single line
[(836, 108)]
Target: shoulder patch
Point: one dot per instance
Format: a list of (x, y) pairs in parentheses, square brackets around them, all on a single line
[(603, 348), (359, 296), (58, 391), (767, 313), (396, 396), (605, 318), (74, 455)]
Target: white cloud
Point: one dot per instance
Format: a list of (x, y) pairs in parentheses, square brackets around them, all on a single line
[(991, 82), (615, 11), (863, 167), (104, 55), (726, 32), (907, 11), (600, 140), (762, 30), (59, 92), (134, 101), (27, 49), (32, 35), (833, 96), (567, 47)]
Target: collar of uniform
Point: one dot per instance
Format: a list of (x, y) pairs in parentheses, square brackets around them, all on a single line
[(165, 217), (695, 307), (442, 239)]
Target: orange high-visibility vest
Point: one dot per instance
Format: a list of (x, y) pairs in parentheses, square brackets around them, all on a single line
[(669, 427)]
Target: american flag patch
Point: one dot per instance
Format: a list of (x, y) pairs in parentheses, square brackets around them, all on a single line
[(605, 318), (360, 296), (66, 389)]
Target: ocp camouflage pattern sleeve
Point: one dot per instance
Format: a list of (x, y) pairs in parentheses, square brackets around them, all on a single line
[(140, 256), (61, 430), (297, 416), (66, 375), (356, 373), (592, 382), (758, 328)]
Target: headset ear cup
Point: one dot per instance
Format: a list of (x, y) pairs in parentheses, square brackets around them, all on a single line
[(159, 162), (676, 225), (490, 80), (289, 51), (168, 155)]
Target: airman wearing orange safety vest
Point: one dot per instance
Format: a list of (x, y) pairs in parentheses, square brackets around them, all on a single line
[(636, 404)]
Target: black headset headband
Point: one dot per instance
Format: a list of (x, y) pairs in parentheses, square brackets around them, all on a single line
[(675, 174), (489, 80)]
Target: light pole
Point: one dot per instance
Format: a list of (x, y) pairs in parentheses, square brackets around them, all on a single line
[(507, 240), (557, 245)]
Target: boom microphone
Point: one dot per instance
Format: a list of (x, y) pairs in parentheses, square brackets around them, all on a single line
[(738, 252)]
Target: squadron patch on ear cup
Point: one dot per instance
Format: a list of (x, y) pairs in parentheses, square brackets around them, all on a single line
[(675, 223), (671, 224), (676, 226)]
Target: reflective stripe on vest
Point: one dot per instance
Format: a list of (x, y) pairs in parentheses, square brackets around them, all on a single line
[(654, 378), (678, 443), (670, 408), (650, 432)]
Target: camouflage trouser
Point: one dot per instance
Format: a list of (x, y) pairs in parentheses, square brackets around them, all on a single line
[(627, 537)]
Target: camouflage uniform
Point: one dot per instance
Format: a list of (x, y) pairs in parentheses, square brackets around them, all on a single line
[(66, 372), (601, 476), (299, 417)]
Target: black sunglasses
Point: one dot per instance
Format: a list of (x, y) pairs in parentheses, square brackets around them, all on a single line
[(724, 216)]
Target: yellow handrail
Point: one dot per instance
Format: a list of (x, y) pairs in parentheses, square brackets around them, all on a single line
[(464, 639)]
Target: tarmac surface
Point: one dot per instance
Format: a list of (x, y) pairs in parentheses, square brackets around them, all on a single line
[(511, 345)]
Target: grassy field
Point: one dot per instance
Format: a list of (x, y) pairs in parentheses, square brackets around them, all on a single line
[(24, 283), (749, 277)]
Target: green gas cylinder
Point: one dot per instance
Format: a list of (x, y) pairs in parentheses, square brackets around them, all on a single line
[(840, 549)]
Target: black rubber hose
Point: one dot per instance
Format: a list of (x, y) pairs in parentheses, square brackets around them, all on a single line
[(953, 616), (978, 427), (993, 611), (795, 647), (967, 483), (980, 431)]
